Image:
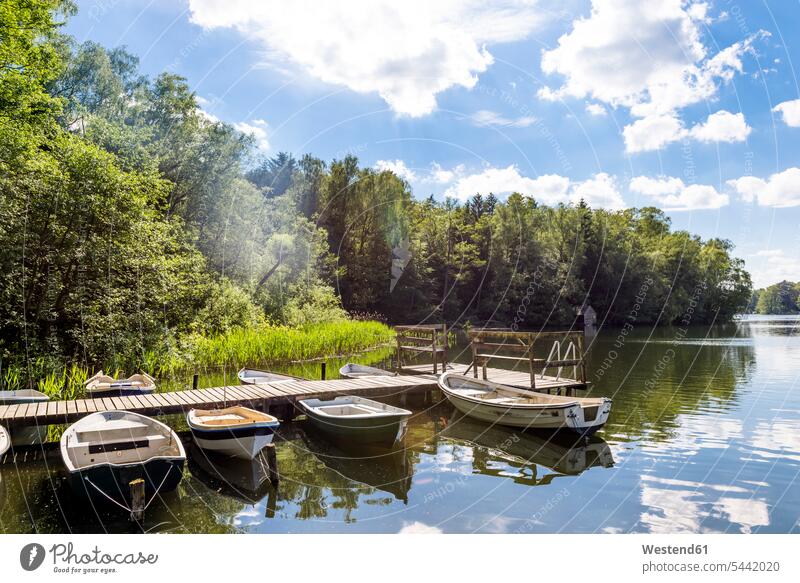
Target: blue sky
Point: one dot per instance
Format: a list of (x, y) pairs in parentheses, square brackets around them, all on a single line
[(690, 106)]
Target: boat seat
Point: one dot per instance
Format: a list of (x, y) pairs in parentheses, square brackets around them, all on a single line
[(129, 428)]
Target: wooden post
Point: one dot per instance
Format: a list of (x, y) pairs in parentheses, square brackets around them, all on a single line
[(399, 353), (433, 348), (272, 465), (272, 503), (446, 346), (137, 499), (195, 381), (531, 365), (474, 358), (582, 359), (322, 367)]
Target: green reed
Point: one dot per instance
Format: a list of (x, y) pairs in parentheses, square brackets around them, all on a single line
[(66, 384), (270, 344)]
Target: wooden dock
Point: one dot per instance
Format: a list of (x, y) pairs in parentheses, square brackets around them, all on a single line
[(262, 396)]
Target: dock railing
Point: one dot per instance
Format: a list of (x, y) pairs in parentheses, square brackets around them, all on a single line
[(423, 338), (566, 350)]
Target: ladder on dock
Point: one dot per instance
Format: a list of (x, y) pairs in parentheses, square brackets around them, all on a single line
[(566, 350)]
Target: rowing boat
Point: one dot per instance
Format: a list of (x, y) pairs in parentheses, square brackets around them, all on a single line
[(357, 371), (22, 396), (357, 419), (252, 376), (104, 452), (5, 440), (523, 408), (235, 431), (103, 385)]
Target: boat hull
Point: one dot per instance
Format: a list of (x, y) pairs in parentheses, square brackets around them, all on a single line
[(243, 443), (569, 417), (357, 371), (5, 440), (370, 430), (114, 480)]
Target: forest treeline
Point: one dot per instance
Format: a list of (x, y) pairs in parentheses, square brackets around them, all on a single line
[(780, 298), (132, 222)]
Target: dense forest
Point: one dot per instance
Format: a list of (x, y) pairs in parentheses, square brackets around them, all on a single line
[(780, 298), (133, 224)]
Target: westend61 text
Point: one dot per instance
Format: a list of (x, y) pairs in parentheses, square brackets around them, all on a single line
[(675, 550)]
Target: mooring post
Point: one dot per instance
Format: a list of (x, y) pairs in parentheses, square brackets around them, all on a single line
[(195, 381), (272, 464), (272, 503), (322, 367), (137, 499)]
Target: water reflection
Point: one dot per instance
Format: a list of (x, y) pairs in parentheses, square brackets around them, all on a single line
[(561, 453), (242, 479), (382, 468)]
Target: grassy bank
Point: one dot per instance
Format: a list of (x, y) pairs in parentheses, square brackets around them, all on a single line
[(263, 345)]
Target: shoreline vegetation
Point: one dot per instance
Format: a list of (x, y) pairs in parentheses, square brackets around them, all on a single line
[(138, 231), (780, 299), (238, 347)]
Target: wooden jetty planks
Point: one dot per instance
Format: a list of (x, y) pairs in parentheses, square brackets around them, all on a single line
[(419, 378)]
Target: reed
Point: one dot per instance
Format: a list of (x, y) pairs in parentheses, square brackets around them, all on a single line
[(271, 344), (66, 384), (266, 344)]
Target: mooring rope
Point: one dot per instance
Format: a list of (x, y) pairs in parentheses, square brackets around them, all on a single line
[(153, 497), (106, 495), (155, 494)]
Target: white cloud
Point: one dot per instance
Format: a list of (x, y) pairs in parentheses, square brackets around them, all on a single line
[(442, 176), (485, 117), (419, 528), (672, 194), (790, 111), (771, 266), (599, 191), (407, 52), (779, 190), (256, 128), (652, 133), (398, 167), (646, 57), (656, 131), (595, 109), (722, 126)]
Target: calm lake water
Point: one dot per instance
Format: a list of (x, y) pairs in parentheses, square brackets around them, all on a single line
[(704, 436)]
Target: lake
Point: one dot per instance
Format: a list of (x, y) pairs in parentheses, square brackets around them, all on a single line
[(704, 436)]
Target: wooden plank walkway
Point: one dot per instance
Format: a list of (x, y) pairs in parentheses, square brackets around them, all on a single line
[(260, 396)]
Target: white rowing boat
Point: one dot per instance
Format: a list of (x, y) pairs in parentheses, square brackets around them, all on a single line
[(103, 385), (515, 407), (5, 440), (356, 371), (253, 376), (22, 396), (236, 431), (104, 452)]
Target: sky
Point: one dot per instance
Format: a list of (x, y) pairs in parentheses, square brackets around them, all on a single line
[(693, 107)]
